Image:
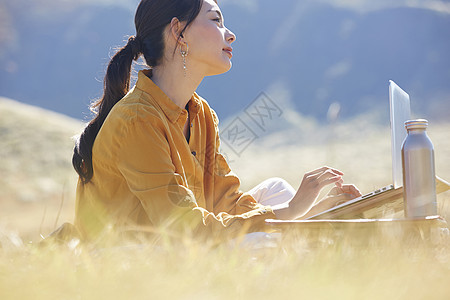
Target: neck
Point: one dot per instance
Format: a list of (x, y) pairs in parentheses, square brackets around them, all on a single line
[(171, 80)]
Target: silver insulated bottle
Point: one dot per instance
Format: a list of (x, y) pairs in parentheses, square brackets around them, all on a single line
[(419, 181)]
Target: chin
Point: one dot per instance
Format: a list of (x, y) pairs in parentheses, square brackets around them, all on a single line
[(220, 69)]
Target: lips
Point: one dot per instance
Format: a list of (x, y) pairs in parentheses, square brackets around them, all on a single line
[(229, 51)]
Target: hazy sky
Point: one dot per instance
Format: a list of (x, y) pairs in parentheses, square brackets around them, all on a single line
[(297, 34), (357, 5)]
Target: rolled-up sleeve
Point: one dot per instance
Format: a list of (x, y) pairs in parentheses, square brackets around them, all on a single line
[(227, 195)]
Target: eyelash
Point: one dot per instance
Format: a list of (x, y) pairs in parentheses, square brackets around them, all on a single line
[(217, 20)]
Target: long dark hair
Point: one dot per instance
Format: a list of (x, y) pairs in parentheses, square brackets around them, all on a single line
[(152, 17)]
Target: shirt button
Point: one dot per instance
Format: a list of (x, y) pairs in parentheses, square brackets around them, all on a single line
[(194, 153)]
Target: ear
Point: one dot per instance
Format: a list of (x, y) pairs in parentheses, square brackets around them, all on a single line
[(175, 31)]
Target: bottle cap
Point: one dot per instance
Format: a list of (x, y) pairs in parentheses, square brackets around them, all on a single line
[(416, 124)]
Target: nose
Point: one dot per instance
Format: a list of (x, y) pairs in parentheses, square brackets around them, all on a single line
[(230, 36)]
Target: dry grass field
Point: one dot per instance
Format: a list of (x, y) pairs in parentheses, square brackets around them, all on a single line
[(37, 194)]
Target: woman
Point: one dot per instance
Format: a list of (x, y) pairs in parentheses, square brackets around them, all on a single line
[(150, 158)]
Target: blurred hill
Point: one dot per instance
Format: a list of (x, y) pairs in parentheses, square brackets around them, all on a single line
[(37, 179), (53, 53)]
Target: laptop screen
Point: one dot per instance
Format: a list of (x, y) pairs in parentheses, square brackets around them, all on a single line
[(400, 112)]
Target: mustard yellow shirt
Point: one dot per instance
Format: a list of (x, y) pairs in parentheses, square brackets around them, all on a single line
[(147, 175)]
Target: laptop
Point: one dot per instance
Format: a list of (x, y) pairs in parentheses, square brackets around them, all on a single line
[(388, 199), (400, 112)]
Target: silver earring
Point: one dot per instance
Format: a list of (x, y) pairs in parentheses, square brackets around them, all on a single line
[(183, 56)]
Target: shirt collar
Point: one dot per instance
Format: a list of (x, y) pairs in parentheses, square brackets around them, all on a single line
[(170, 109)]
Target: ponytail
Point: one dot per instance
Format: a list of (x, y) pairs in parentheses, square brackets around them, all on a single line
[(115, 86)]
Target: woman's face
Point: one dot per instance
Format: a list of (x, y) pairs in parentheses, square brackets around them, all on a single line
[(209, 41)]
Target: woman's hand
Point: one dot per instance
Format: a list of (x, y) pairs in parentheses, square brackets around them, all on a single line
[(313, 182), (341, 194), (337, 196)]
